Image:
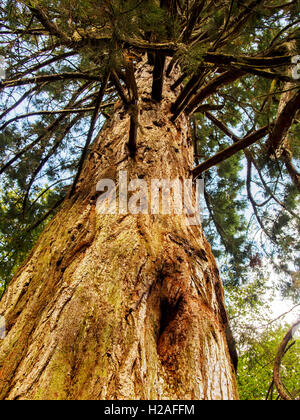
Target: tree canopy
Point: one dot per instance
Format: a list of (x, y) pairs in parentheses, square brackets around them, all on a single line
[(68, 62)]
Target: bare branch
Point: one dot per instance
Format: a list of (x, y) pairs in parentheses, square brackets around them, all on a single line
[(17, 103), (252, 201), (48, 131), (250, 157)]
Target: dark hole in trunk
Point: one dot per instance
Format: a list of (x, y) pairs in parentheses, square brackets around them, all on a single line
[(168, 312)]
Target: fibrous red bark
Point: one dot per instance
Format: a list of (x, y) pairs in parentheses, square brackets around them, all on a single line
[(120, 306)]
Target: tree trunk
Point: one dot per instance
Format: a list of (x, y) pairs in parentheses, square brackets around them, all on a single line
[(120, 306)]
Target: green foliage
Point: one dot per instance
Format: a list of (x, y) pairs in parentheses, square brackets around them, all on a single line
[(244, 223), (16, 239), (258, 334), (256, 366)]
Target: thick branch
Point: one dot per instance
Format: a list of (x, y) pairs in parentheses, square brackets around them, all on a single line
[(262, 62), (211, 88), (120, 90), (36, 113), (283, 123), (49, 78), (168, 48), (194, 16), (262, 73), (134, 125), (287, 160), (187, 92), (158, 77), (230, 151), (48, 25), (133, 109)]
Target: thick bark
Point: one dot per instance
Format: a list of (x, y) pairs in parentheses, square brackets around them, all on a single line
[(120, 306)]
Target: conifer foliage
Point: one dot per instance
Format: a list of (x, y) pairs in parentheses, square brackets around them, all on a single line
[(68, 62)]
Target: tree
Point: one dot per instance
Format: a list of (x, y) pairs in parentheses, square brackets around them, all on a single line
[(132, 305), (256, 366), (258, 335)]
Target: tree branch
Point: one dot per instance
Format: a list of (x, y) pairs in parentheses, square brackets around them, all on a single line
[(230, 151), (262, 62), (59, 111), (49, 78), (249, 157), (194, 16), (283, 123), (294, 174), (30, 146), (158, 77), (265, 74), (90, 133), (17, 103), (187, 92), (48, 25), (277, 363), (252, 201), (120, 90), (45, 63), (46, 215), (47, 157), (212, 87), (48, 131)]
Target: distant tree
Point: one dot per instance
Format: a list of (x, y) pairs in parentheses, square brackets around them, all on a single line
[(256, 367), (258, 335)]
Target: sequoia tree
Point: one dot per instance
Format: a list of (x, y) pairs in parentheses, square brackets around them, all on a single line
[(131, 306)]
